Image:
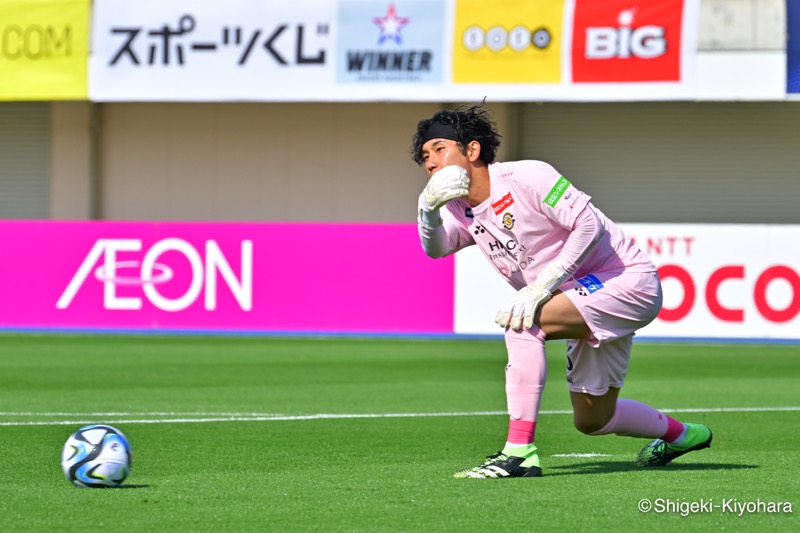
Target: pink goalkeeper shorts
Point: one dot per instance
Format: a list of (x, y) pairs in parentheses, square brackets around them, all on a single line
[(614, 305)]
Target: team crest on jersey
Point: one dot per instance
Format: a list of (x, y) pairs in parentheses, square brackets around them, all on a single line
[(508, 221)]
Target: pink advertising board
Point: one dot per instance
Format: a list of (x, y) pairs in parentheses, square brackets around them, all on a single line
[(303, 278)]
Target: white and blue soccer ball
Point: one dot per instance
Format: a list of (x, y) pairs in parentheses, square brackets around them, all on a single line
[(96, 456)]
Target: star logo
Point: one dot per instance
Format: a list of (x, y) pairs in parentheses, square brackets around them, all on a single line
[(390, 26)]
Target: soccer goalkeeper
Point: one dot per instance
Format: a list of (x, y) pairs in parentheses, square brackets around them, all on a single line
[(578, 277)]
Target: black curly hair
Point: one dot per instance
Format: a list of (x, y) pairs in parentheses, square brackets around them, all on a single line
[(469, 123)]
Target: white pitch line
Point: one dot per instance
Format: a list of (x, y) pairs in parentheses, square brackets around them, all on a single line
[(370, 415), (731, 409), (264, 417), (269, 418), (580, 455), (137, 413)]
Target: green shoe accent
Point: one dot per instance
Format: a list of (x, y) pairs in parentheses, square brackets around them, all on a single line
[(529, 452), (696, 434), (660, 453)]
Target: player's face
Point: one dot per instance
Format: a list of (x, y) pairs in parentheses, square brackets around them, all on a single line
[(439, 153)]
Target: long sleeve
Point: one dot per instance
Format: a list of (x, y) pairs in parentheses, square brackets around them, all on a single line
[(586, 233), (432, 235)]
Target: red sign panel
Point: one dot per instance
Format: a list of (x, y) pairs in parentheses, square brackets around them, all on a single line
[(627, 41)]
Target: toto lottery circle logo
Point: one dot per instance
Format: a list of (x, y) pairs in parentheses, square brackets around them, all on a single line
[(498, 38)]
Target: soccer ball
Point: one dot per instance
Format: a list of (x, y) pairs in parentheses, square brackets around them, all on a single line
[(96, 456)]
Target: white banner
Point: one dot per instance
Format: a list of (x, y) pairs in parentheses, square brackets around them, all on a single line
[(720, 281), (393, 50), (189, 50)]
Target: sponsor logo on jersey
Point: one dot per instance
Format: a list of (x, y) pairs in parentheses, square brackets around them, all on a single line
[(557, 191), (591, 282), (508, 221), (504, 203)]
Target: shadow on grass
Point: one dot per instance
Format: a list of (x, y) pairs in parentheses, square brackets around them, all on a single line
[(610, 467), (134, 487)]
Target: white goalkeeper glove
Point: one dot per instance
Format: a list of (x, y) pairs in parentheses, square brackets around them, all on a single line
[(520, 309), (446, 184)]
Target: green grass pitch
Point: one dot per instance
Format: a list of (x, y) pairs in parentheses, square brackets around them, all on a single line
[(225, 437)]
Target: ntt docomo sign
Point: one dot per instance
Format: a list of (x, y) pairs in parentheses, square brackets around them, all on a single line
[(725, 280), (712, 289), (720, 281)]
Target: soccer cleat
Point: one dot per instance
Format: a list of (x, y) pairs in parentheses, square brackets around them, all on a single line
[(502, 465), (659, 452)]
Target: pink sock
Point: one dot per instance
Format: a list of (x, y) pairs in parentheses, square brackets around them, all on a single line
[(521, 431), (674, 429), (526, 373), (635, 419)]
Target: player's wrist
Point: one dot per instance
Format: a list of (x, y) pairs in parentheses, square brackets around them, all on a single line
[(552, 276), (426, 215)]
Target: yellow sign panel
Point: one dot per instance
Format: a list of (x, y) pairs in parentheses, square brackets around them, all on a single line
[(44, 49), (508, 41)]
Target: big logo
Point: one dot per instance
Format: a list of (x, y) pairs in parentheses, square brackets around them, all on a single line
[(151, 271), (627, 41)]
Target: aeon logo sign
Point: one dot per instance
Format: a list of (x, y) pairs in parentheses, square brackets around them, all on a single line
[(102, 265)]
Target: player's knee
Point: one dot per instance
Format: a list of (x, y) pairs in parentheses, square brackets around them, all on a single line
[(590, 425)]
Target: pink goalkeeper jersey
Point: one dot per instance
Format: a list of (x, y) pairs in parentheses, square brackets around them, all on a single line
[(526, 220)]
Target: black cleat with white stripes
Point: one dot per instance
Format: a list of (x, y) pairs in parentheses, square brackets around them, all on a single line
[(501, 465)]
